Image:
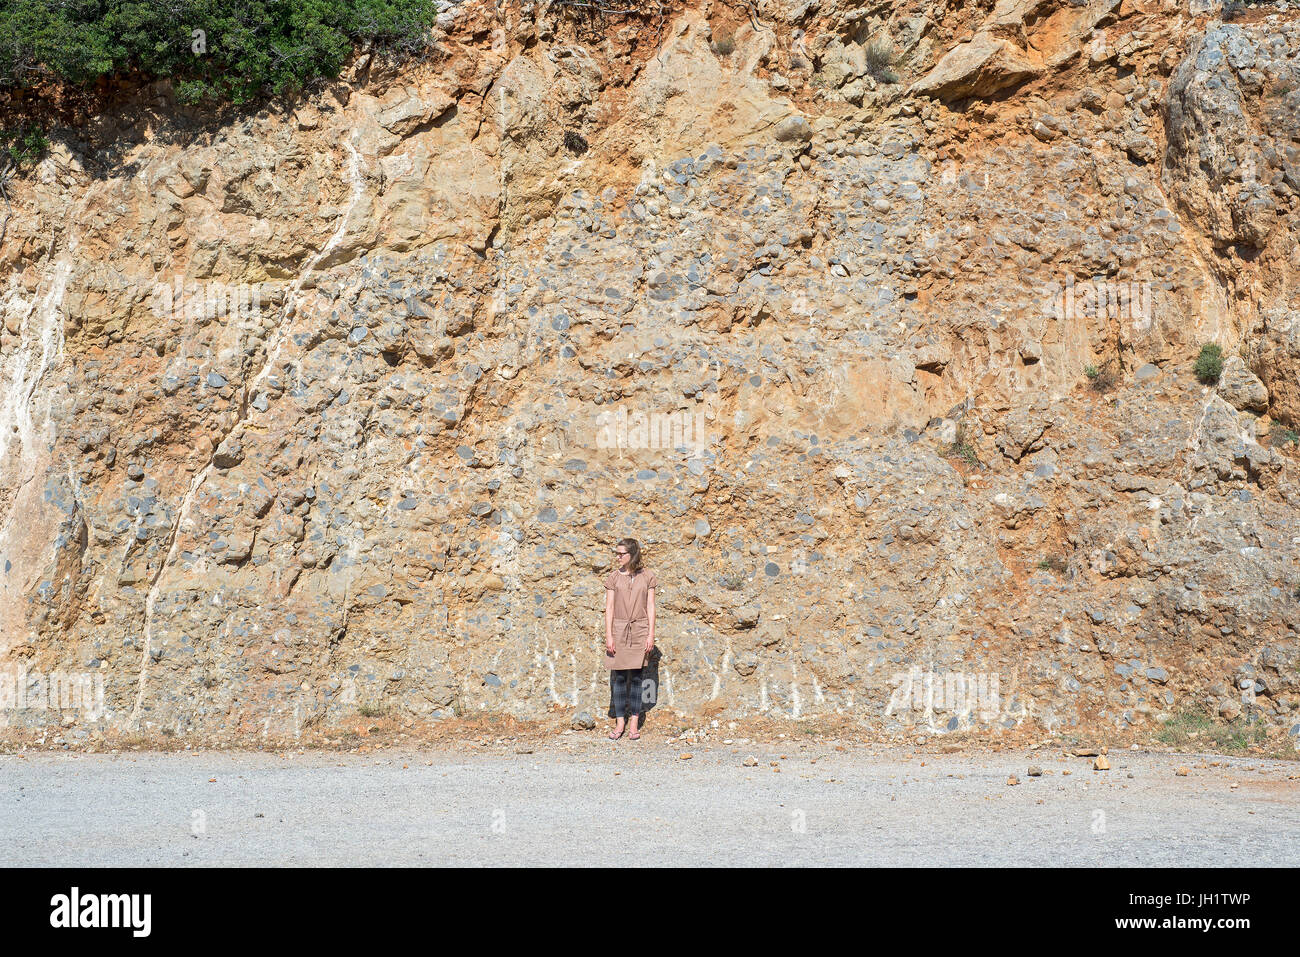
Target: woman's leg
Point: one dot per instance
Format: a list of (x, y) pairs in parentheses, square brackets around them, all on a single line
[(617, 700), (635, 710), (621, 694)]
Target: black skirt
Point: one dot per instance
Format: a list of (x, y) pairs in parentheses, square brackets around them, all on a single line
[(635, 690)]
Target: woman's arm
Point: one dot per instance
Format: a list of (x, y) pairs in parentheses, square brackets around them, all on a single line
[(650, 613), (609, 621)]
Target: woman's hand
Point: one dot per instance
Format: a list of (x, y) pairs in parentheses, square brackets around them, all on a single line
[(649, 645), (609, 644)]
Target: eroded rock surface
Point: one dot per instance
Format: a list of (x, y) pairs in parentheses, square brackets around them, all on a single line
[(342, 408)]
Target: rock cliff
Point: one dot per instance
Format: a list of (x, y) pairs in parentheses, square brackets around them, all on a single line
[(874, 323)]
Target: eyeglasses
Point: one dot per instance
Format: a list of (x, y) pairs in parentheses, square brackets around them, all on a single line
[(617, 552)]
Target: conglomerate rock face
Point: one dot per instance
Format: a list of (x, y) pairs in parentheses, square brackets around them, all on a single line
[(342, 406)]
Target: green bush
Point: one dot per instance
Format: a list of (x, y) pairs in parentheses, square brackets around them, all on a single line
[(22, 145), (214, 49), (1209, 364)]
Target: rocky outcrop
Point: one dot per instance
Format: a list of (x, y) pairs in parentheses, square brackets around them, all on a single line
[(1021, 40), (339, 409), (1214, 153), (1241, 387), (979, 68)]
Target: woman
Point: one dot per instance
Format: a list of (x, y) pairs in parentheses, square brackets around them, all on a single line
[(629, 634)]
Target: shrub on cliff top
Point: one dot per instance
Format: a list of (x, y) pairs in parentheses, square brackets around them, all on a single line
[(222, 49)]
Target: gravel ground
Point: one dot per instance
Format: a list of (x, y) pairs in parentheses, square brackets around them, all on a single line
[(588, 801)]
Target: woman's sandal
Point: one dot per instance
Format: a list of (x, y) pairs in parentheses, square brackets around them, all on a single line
[(615, 737)]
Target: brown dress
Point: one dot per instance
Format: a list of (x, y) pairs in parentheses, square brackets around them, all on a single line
[(631, 624)]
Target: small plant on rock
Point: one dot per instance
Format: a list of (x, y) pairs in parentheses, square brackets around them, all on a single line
[(1054, 564), (1209, 364), (724, 44), (961, 447), (881, 57), (575, 142), (1279, 437), (1102, 379)]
